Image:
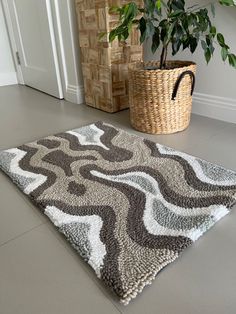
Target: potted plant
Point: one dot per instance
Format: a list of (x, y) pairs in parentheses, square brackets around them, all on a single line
[(161, 91)]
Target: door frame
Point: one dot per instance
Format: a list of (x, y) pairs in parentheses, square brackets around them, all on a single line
[(54, 47), (67, 39), (65, 28)]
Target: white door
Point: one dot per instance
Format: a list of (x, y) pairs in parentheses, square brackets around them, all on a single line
[(35, 41)]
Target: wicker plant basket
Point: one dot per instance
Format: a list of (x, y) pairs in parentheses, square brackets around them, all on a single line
[(161, 100)]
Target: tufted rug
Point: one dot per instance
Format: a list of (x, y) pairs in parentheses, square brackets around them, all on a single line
[(129, 206)]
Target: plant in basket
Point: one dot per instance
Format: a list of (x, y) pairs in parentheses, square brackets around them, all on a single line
[(161, 91)]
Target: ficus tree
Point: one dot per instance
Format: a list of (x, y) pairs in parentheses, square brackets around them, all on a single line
[(173, 25)]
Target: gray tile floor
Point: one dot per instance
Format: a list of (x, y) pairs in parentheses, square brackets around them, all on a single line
[(41, 274)]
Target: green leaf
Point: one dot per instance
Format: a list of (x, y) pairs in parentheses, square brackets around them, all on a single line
[(184, 21), (176, 13), (220, 39), (112, 35), (176, 44), (207, 55), (177, 5), (186, 43), (122, 32), (158, 5), (155, 40), (178, 32), (208, 40), (224, 53), (227, 2), (213, 31), (212, 49), (192, 19), (163, 25), (193, 44), (204, 45), (203, 21), (130, 11), (142, 28), (170, 31), (232, 60)]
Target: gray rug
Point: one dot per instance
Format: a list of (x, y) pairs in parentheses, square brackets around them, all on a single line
[(129, 206)]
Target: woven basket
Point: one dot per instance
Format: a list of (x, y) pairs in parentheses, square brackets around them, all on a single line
[(161, 100)]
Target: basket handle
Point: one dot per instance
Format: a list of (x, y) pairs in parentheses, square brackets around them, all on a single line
[(182, 75)]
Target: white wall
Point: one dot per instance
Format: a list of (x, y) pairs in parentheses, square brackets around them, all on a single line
[(7, 69), (215, 93)]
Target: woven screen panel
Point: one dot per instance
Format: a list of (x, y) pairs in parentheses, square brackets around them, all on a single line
[(105, 65)]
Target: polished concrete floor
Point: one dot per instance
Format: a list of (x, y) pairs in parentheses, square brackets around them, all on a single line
[(41, 274)]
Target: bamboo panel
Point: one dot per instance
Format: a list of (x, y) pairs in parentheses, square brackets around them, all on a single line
[(105, 65)]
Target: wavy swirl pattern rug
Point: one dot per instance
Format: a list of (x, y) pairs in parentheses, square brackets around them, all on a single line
[(127, 205)]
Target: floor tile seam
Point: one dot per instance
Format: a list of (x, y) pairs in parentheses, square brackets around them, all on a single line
[(21, 235)]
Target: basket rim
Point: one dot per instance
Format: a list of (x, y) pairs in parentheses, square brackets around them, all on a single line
[(183, 64)]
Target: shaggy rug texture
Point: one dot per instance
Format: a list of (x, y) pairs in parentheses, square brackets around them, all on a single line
[(129, 206)]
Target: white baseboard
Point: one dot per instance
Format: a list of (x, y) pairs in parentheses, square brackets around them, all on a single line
[(75, 94), (215, 107), (8, 78)]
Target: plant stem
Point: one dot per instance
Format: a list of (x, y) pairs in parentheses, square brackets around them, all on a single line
[(166, 43), (163, 57)]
